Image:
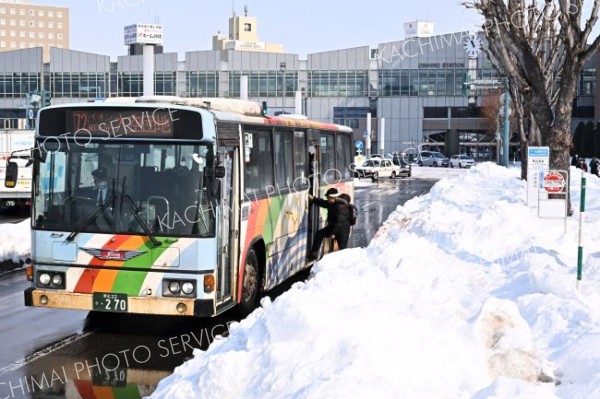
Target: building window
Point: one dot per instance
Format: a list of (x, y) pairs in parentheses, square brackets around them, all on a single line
[(32, 24), (40, 13), (13, 33), (13, 11), (350, 116), (21, 34), (59, 36), (31, 45), (264, 84), (16, 85), (21, 45), (50, 36), (247, 27), (40, 35), (13, 44), (202, 84), (32, 13), (32, 35), (78, 85), (2, 10), (3, 44), (51, 25), (587, 82), (40, 24), (13, 22), (2, 21), (59, 14), (22, 22), (338, 83), (59, 25), (2, 33), (21, 11)]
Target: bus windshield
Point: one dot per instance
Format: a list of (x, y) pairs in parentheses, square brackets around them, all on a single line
[(125, 188)]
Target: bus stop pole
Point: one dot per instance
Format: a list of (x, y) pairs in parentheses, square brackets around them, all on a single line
[(581, 219)]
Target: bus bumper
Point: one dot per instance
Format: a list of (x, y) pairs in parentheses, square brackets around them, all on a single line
[(141, 305)]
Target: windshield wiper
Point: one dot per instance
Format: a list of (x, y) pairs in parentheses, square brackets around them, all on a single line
[(141, 222), (100, 208)]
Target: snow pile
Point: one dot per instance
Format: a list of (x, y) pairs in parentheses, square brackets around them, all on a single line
[(15, 244), (463, 293)]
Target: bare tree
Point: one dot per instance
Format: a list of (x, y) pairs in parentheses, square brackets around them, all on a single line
[(542, 47)]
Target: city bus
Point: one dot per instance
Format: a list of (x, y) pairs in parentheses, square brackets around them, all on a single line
[(174, 206)]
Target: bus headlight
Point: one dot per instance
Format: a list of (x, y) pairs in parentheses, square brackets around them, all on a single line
[(44, 278), (187, 288), (180, 288), (57, 279), (54, 280), (174, 287)]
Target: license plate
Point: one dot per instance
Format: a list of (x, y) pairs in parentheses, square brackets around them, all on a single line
[(109, 378), (109, 302), (10, 203)]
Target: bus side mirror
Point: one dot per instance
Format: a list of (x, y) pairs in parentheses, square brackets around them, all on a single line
[(12, 174), (219, 172)]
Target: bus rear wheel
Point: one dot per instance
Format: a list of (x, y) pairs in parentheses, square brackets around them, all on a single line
[(250, 282)]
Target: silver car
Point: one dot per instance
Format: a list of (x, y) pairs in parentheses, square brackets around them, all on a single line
[(431, 158)]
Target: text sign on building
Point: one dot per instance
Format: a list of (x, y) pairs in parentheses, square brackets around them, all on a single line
[(143, 34), (538, 163)]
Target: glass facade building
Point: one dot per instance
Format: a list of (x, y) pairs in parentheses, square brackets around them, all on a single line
[(415, 89)]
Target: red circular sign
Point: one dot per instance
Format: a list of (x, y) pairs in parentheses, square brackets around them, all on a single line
[(553, 182)]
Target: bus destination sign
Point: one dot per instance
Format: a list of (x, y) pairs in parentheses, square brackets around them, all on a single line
[(115, 123)]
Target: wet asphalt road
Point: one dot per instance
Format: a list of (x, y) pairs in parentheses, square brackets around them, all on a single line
[(70, 354)]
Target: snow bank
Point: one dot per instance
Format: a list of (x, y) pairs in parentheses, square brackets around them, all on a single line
[(463, 293)]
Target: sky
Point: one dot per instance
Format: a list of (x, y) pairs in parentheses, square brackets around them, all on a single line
[(302, 26), (462, 293)]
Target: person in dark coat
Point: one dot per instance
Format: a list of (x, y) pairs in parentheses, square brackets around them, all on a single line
[(575, 160), (583, 165), (594, 166), (338, 222)]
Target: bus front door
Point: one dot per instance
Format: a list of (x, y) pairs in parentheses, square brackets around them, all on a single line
[(228, 225)]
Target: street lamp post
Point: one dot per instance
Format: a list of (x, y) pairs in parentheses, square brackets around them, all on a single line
[(282, 68)]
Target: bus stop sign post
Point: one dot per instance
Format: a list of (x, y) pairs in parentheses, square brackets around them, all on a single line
[(581, 219)]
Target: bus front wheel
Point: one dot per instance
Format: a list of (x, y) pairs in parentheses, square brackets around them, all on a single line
[(250, 283)]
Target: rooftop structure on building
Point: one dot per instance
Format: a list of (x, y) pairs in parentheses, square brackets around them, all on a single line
[(243, 36), (418, 29)]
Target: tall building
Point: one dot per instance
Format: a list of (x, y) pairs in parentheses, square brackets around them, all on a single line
[(25, 25)]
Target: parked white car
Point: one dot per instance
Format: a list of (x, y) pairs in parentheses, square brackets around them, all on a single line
[(376, 168), (461, 161)]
